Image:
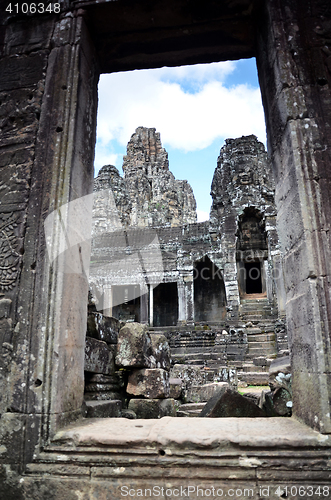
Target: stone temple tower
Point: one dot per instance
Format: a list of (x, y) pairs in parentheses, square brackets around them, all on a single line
[(158, 199), (243, 214)]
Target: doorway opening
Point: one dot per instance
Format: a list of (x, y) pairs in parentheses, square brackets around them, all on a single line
[(253, 278), (165, 300), (209, 292)]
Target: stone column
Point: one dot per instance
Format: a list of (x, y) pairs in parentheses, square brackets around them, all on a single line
[(143, 304), (151, 305), (181, 302), (108, 301), (295, 77), (189, 296)]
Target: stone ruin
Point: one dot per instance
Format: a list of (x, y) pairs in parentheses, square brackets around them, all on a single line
[(49, 68), (213, 290)]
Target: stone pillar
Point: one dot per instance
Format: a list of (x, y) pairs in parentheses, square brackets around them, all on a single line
[(151, 305), (144, 304), (108, 301), (231, 288), (189, 296), (181, 302), (295, 77)]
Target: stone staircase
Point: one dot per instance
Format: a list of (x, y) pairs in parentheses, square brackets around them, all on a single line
[(255, 309), (248, 344), (261, 340)]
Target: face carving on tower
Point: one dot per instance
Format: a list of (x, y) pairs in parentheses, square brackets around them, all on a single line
[(245, 177)]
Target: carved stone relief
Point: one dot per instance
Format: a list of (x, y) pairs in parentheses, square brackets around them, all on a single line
[(9, 257)]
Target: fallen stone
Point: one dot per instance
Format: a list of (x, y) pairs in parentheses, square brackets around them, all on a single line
[(191, 409), (277, 403), (189, 374), (134, 346), (228, 374), (254, 378), (153, 383), (282, 365), (129, 414), (153, 408), (261, 361), (228, 403), (103, 387), (282, 402), (161, 352), (176, 388), (99, 357), (103, 327), (202, 393), (181, 413), (266, 403), (103, 409), (280, 375)]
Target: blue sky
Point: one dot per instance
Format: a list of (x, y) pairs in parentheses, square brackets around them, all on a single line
[(195, 108)]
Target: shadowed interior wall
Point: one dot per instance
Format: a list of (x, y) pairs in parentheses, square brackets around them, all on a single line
[(165, 301), (209, 292)]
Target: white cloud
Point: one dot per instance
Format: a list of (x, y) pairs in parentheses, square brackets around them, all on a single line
[(190, 106), (202, 216), (104, 157)]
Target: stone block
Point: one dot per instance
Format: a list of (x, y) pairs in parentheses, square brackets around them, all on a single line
[(176, 388), (228, 403), (23, 71), (261, 361), (134, 346), (202, 393), (153, 408), (161, 352), (99, 358), (153, 383), (280, 365), (103, 327), (254, 378), (189, 374), (282, 402), (103, 409)]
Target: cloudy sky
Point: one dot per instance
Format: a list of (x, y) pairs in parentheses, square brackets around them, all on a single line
[(195, 108)]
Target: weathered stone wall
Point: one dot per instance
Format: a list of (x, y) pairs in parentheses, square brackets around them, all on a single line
[(47, 108)]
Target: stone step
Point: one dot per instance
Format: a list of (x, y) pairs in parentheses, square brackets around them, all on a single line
[(254, 378), (193, 350), (258, 306), (248, 367), (253, 330), (262, 337), (257, 309), (193, 409), (258, 351), (261, 345), (252, 316), (193, 343), (263, 300)]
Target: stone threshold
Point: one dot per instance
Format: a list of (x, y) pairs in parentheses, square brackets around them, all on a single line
[(171, 434)]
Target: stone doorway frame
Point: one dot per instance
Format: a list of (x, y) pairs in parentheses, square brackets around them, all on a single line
[(295, 93)]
